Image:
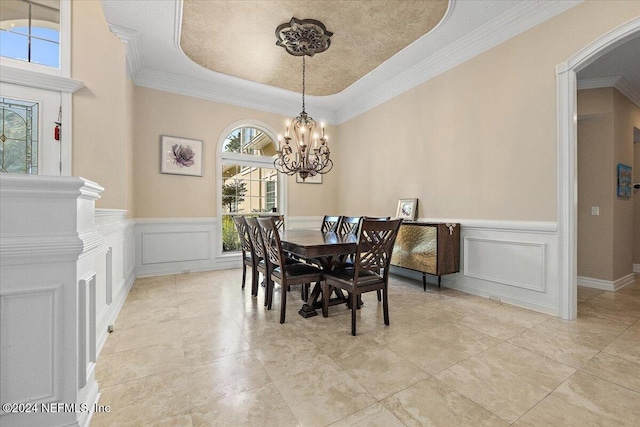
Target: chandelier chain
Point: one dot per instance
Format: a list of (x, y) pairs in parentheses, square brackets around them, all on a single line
[(303, 82)]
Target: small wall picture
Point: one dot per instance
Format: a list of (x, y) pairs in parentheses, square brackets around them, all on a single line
[(316, 179), (624, 180), (180, 156), (407, 209)]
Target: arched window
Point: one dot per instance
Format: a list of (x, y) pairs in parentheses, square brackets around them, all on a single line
[(30, 31), (249, 184)]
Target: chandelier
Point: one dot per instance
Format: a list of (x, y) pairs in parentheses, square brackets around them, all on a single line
[(308, 154)]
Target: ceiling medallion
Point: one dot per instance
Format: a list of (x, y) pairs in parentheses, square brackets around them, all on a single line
[(309, 153), (303, 37)]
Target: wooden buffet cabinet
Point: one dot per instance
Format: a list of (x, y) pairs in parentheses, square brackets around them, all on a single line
[(428, 247)]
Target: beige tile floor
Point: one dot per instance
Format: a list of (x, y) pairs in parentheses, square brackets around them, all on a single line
[(197, 350)]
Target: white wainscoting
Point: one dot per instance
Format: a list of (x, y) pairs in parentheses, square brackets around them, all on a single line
[(114, 267), (48, 246), (304, 222), (178, 245), (511, 261)]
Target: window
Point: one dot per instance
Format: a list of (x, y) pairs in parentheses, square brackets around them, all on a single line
[(18, 136), (250, 183), (30, 31)]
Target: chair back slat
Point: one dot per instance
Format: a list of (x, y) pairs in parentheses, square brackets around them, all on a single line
[(255, 236), (375, 244), (243, 233), (349, 224), (330, 223), (272, 243), (278, 221)]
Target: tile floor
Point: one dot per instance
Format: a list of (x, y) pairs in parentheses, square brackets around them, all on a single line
[(196, 350)]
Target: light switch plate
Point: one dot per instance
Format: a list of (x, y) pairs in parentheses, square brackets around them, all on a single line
[(595, 210)]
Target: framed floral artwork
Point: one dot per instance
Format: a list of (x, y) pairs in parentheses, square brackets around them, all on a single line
[(407, 209), (180, 156)]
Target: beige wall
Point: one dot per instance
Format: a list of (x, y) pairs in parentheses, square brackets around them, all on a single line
[(103, 110), (172, 196), (596, 184), (479, 141), (605, 139), (626, 116)]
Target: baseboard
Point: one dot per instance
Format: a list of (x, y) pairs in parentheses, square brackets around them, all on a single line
[(606, 285)]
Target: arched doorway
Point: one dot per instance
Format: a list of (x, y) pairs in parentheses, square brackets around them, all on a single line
[(566, 92)]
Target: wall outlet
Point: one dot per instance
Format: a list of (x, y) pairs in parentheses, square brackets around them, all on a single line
[(595, 210)]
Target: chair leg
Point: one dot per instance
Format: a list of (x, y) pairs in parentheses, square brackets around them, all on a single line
[(379, 296), (283, 301), (244, 274), (354, 307), (266, 291), (254, 281), (270, 288), (326, 290), (385, 304)]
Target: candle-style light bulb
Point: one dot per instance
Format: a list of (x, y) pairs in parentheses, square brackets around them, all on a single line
[(288, 123), (322, 126)]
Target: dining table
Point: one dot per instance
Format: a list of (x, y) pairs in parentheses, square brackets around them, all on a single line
[(328, 250)]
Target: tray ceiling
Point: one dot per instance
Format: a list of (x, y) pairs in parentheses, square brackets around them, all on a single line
[(365, 34)]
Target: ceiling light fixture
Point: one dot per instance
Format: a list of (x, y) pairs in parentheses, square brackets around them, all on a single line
[(309, 155)]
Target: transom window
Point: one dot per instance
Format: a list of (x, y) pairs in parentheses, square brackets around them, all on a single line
[(30, 31), (250, 183)]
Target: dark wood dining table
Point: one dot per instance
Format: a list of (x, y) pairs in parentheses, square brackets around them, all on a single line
[(328, 250)]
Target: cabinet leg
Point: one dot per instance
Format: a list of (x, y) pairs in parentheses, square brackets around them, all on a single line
[(424, 281), (439, 280)]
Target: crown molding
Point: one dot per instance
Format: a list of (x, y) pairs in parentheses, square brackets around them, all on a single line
[(359, 97), (23, 77), (135, 58), (623, 85), (227, 94), (508, 25)]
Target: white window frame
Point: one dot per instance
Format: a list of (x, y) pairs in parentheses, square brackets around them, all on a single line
[(64, 70), (38, 76), (245, 160)]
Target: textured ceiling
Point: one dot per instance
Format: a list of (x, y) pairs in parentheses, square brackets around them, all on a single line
[(238, 38)]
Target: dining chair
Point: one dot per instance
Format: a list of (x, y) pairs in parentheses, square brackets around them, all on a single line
[(349, 224), (249, 258), (263, 265), (378, 218), (370, 270), (330, 223), (259, 249), (278, 219), (284, 274)]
